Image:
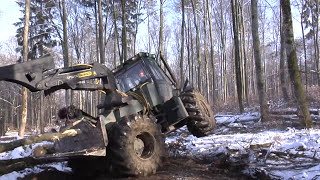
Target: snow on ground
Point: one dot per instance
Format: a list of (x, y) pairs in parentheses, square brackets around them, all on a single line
[(21, 152), (281, 154), (223, 119), (60, 166), (26, 151)]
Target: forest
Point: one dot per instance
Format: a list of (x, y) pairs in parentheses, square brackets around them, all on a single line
[(244, 56)]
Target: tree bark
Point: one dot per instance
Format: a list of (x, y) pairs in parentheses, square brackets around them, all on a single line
[(65, 47), (212, 54), (282, 61), (116, 38), (235, 22), (124, 31), (293, 64), (7, 166), (304, 48), (160, 48), (39, 138), (317, 41), (65, 35), (264, 110), (205, 19), (96, 30), (25, 59), (244, 57), (197, 44), (42, 109), (101, 37), (182, 45)]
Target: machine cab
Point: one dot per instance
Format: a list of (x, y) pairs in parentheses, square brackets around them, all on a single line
[(140, 71), (141, 74)]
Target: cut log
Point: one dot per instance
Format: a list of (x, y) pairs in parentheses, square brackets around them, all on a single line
[(293, 111), (7, 166), (39, 138)]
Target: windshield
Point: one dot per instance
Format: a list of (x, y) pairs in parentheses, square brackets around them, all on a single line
[(131, 78)]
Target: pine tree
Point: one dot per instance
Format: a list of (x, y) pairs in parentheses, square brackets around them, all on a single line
[(41, 33)]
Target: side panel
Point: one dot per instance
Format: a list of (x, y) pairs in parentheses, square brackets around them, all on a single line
[(175, 111), (164, 89), (151, 94)]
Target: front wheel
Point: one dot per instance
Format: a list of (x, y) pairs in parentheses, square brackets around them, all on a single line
[(201, 121), (136, 146)]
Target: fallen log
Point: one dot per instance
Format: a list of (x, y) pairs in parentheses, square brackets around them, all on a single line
[(38, 138), (7, 166), (293, 111)]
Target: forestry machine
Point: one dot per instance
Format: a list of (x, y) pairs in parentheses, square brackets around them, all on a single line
[(142, 104)]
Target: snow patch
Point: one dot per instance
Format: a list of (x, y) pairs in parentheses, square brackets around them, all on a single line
[(21, 152), (60, 166)]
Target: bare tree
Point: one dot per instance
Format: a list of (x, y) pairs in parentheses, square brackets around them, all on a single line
[(25, 59), (124, 31), (64, 43), (257, 56), (211, 53), (282, 61), (101, 39), (293, 64), (235, 22), (160, 48), (198, 45), (182, 44)]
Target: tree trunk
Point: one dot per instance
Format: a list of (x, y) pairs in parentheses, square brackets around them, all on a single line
[(136, 28), (189, 49), (39, 138), (211, 54), (25, 59), (182, 45), (205, 19), (264, 110), (235, 22), (317, 41), (116, 40), (282, 61), (42, 109), (10, 165), (101, 39), (304, 49), (124, 31), (65, 48), (96, 29), (293, 64), (160, 48), (197, 44), (245, 66)]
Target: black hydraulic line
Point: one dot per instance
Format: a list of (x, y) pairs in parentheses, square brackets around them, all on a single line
[(169, 70)]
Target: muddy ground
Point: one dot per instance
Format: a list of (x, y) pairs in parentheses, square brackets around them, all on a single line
[(173, 168), (180, 167)]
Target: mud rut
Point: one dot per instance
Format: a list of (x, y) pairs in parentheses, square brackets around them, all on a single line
[(173, 168)]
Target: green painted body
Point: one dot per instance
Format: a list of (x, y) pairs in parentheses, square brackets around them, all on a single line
[(149, 90), (157, 88)]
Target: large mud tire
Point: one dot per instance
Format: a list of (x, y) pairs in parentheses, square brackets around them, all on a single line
[(201, 121), (136, 147)]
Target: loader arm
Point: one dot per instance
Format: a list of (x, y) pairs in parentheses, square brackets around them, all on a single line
[(39, 74)]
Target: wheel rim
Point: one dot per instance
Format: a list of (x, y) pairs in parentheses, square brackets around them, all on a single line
[(144, 145)]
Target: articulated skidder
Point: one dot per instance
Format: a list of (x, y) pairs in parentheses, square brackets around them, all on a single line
[(142, 104)]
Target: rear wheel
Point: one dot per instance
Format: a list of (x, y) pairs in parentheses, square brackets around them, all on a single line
[(136, 146), (201, 121)]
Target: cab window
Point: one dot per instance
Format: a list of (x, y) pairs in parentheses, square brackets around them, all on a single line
[(131, 78)]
